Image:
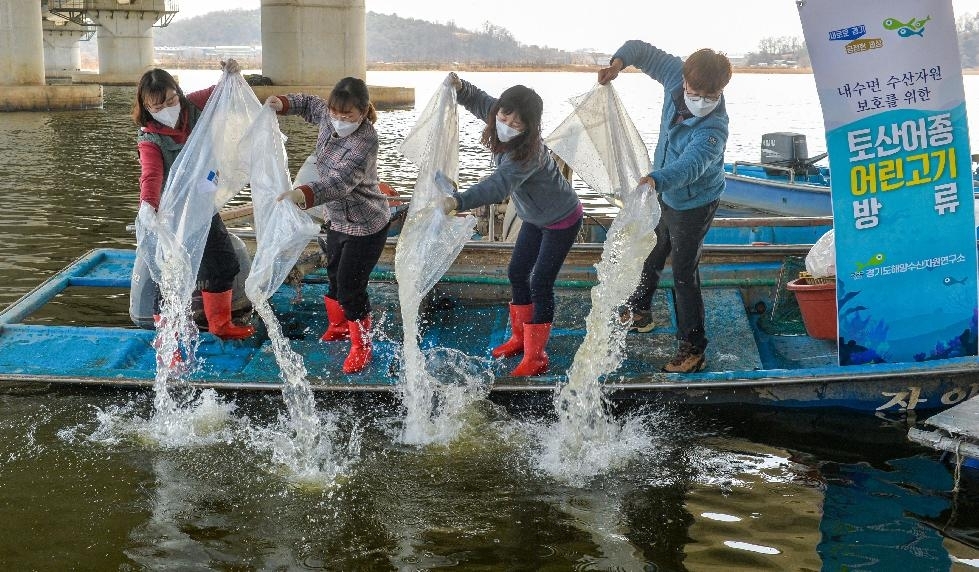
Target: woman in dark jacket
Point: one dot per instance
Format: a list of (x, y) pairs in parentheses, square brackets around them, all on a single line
[(544, 200)]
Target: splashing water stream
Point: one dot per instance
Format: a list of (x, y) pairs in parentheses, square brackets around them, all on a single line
[(433, 404), (305, 449), (586, 440), (600, 141), (429, 242)]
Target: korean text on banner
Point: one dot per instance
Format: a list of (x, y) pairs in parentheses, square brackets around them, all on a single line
[(890, 86)]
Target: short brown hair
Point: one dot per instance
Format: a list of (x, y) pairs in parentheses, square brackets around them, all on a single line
[(351, 92), (154, 84), (707, 71)]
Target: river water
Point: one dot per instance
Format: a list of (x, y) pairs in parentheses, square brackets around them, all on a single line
[(709, 489)]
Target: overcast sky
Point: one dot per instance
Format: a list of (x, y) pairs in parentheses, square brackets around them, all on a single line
[(732, 26)]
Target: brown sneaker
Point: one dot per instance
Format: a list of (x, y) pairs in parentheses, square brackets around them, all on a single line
[(638, 320), (687, 360)]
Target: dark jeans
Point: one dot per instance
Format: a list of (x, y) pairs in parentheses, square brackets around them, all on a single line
[(680, 236), (219, 263), (537, 257), (349, 262)]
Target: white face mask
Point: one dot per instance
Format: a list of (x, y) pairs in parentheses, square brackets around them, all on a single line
[(505, 132), (168, 115), (699, 108), (344, 128)]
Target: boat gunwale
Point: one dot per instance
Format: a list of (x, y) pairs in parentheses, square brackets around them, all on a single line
[(794, 186), (666, 381)]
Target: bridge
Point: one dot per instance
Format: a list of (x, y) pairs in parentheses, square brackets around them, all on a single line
[(307, 45)]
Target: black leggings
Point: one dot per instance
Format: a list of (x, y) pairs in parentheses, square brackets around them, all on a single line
[(537, 258), (349, 262), (219, 264)]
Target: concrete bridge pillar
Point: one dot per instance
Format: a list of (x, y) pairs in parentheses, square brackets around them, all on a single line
[(21, 43), (22, 86), (313, 42), (62, 56), (125, 37), (309, 45)]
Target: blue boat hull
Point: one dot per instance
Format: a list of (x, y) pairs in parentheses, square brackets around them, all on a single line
[(467, 312), (750, 187)]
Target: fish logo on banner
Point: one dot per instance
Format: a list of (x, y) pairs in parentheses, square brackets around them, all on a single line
[(914, 27)]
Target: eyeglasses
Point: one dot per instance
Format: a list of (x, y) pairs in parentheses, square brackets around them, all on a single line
[(698, 97), (170, 101), (353, 115)]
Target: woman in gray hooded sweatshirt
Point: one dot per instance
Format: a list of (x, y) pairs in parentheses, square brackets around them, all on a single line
[(544, 201)]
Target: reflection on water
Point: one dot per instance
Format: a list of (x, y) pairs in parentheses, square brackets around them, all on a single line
[(719, 490), (726, 489)]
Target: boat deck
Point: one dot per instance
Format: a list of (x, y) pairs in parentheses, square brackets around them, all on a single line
[(75, 329), (100, 342)]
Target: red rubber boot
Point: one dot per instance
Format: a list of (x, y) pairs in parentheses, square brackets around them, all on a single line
[(519, 315), (217, 309), (338, 329), (534, 360), (360, 345)]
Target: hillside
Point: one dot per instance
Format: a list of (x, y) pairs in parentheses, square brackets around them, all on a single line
[(390, 39)]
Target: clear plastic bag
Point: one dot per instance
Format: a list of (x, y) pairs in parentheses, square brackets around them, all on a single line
[(821, 260), (204, 176), (600, 142), (602, 145), (282, 229), (433, 239)]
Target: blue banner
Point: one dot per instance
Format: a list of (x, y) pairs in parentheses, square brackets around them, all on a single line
[(890, 86)]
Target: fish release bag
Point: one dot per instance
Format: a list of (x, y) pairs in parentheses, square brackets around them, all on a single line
[(432, 240), (282, 229), (205, 175)]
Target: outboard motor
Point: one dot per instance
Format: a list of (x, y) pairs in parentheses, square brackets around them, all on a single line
[(786, 150)]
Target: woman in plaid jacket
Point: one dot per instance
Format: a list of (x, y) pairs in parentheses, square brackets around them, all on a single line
[(357, 211)]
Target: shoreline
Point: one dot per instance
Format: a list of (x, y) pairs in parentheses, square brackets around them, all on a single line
[(579, 68), (459, 67), (475, 67)]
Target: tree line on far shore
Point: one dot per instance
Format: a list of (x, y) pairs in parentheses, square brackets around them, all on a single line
[(392, 39), (775, 51)]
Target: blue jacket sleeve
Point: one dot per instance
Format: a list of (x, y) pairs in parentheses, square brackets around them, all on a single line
[(704, 150), (475, 100), (654, 62)]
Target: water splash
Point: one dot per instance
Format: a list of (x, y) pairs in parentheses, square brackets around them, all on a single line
[(181, 414), (435, 387), (428, 244), (300, 444), (204, 420), (310, 464), (586, 441)]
